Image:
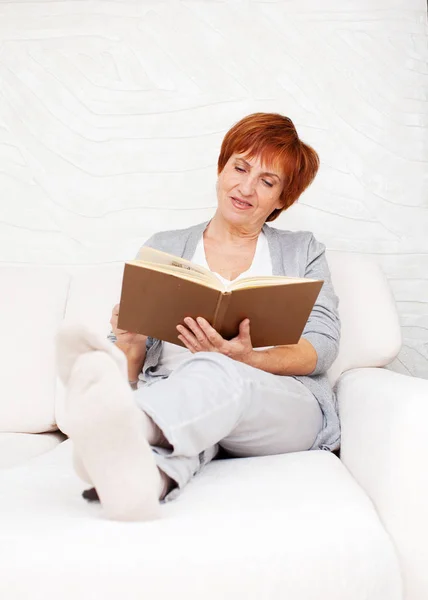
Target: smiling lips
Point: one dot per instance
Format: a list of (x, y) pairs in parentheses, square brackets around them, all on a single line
[(241, 204)]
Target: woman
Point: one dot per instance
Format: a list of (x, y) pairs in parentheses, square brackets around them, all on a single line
[(139, 446)]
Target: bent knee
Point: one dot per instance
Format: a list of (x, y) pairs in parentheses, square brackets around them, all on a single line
[(214, 362), (215, 358)]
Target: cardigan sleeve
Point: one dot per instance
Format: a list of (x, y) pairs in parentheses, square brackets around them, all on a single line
[(323, 327)]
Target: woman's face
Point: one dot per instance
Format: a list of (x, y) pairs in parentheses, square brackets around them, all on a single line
[(247, 192)]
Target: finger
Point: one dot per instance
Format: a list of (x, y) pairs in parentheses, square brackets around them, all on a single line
[(123, 338), (132, 338), (196, 330), (244, 332), (245, 324), (122, 331), (186, 343), (114, 316), (214, 338), (191, 341)]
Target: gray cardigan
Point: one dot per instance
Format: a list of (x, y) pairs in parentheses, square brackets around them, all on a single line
[(295, 254)]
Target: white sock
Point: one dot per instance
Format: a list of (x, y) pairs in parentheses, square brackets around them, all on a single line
[(165, 482), (74, 339), (107, 428), (79, 467)]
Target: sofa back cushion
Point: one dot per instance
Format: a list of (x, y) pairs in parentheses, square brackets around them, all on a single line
[(93, 292), (371, 334), (32, 305)]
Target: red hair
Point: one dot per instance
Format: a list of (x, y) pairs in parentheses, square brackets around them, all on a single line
[(274, 138)]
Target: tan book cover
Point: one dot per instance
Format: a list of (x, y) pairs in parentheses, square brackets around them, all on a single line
[(159, 290)]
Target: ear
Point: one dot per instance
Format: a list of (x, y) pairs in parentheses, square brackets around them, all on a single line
[(280, 204), (281, 200)]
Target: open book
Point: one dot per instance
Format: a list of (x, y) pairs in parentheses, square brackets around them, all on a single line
[(159, 290)]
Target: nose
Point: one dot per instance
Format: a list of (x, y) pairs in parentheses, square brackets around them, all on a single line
[(246, 186)]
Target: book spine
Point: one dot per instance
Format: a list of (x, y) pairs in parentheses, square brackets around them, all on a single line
[(220, 310)]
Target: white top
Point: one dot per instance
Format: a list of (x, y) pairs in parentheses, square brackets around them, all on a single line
[(173, 355)]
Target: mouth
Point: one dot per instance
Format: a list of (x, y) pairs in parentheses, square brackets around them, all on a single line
[(241, 204)]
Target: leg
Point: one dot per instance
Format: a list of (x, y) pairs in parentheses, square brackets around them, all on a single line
[(166, 483), (109, 433), (208, 399), (212, 399)]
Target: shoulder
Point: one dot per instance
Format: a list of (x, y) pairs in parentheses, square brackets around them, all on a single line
[(286, 234), (160, 238), (294, 240), (173, 239)]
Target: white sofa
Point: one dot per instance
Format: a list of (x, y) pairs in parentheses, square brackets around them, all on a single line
[(303, 526)]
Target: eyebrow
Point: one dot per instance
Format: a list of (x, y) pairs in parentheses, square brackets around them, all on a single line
[(264, 173)]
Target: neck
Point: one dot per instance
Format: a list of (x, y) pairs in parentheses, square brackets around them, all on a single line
[(223, 231)]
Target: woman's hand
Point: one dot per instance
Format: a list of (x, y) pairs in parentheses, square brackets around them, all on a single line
[(132, 344), (199, 336), (125, 337)]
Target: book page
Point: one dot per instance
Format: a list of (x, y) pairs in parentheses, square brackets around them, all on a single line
[(251, 282), (189, 275), (171, 263)]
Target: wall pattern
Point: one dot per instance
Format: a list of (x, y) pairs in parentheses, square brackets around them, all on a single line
[(112, 114)]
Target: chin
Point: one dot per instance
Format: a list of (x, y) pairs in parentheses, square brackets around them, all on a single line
[(232, 214), (234, 217)]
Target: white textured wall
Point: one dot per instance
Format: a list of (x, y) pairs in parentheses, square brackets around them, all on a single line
[(112, 114)]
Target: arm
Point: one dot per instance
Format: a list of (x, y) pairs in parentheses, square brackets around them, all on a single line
[(318, 347), (135, 355), (312, 355), (133, 345), (298, 359), (323, 327)]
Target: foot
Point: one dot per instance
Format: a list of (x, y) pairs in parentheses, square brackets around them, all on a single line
[(106, 427), (80, 468), (75, 339)]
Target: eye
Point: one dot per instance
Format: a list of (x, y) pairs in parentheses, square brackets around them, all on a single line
[(268, 183), (240, 170)]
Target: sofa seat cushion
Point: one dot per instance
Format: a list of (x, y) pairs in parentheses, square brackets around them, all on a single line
[(289, 526), (16, 448)]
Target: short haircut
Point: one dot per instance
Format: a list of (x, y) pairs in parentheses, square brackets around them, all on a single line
[(274, 138)]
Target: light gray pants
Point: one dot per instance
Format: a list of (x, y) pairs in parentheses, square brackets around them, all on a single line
[(212, 400)]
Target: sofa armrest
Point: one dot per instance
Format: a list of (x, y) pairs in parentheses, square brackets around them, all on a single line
[(384, 417)]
